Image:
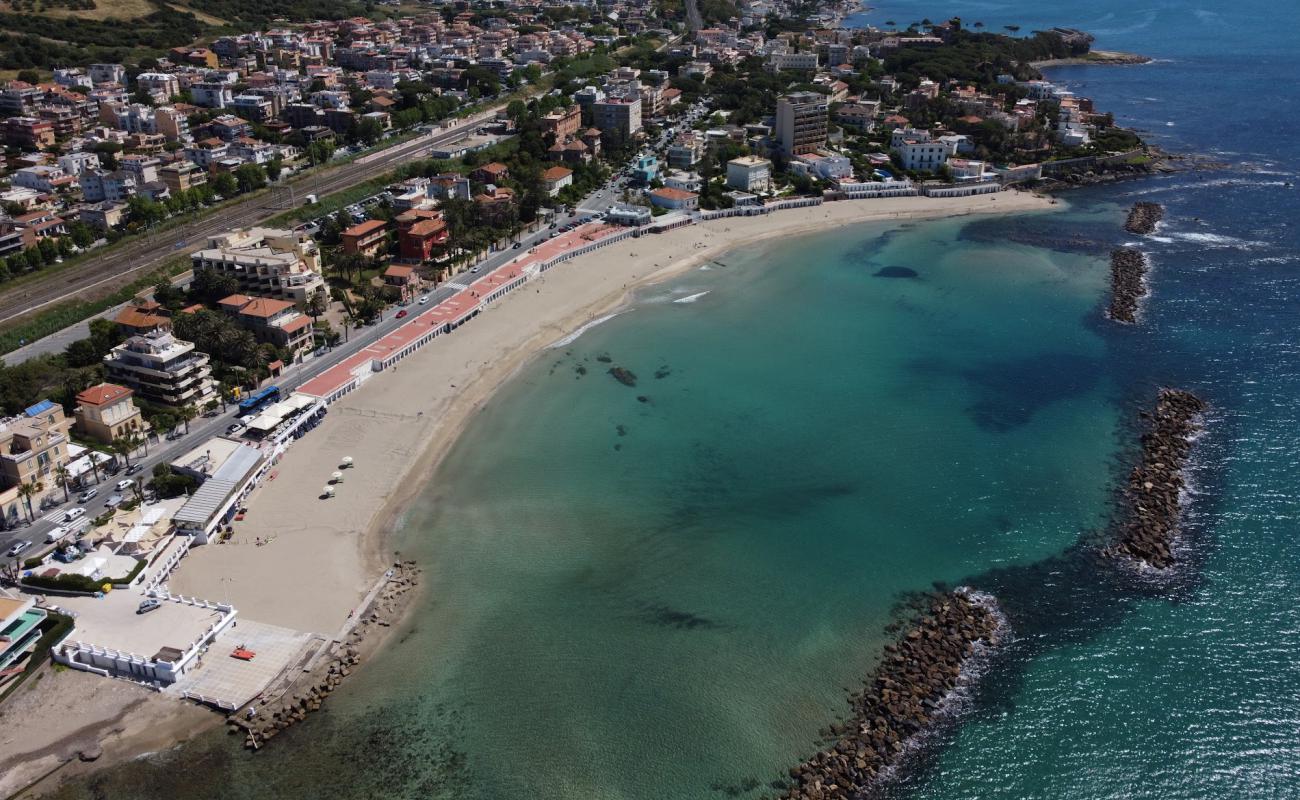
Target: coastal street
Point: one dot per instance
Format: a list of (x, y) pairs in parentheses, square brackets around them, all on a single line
[(99, 274), (160, 451)]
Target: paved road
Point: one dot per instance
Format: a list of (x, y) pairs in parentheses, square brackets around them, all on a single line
[(100, 274), (161, 451)]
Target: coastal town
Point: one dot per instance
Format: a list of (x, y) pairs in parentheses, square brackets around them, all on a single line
[(312, 211)]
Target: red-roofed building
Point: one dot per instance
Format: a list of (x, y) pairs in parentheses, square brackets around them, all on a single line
[(405, 278), (270, 320), (106, 411), (676, 199), (366, 238), (491, 173), (556, 178), (419, 231), (142, 317)]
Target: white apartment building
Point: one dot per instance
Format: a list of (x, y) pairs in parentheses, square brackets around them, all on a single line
[(749, 174), (161, 369), (266, 261), (922, 156)]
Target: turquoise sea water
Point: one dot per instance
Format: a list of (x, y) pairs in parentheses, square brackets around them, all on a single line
[(666, 599)]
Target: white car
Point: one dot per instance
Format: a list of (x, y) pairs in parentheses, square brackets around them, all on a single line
[(74, 513), (424, 298), (122, 486)]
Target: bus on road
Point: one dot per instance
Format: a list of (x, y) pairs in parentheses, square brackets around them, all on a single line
[(259, 399)]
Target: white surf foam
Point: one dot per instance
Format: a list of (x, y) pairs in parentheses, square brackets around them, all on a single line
[(573, 337), (690, 298)]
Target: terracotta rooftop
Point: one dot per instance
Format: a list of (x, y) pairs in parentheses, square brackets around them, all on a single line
[(102, 394), (364, 228)]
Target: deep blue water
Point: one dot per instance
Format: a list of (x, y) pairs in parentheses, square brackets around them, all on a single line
[(670, 602)]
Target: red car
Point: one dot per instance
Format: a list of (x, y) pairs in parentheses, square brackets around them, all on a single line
[(401, 313)]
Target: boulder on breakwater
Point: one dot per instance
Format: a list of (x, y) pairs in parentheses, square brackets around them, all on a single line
[(1149, 525), (902, 698), (277, 711), (1143, 217), (1128, 270)]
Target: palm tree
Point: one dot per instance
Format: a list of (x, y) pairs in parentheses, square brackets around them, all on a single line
[(187, 413), (26, 491), (124, 446), (61, 474), (94, 463)]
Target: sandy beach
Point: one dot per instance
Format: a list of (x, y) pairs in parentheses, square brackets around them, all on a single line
[(320, 557), (324, 554)]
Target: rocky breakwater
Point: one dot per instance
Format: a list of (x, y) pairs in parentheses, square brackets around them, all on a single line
[(279, 710), (1128, 283), (1152, 503), (1143, 217), (911, 687)]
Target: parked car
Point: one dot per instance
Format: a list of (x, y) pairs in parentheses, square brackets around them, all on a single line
[(134, 468), (125, 485), (17, 548), (57, 534), (87, 496), (234, 428), (424, 298), (401, 313), (152, 604), (74, 513), (113, 501)]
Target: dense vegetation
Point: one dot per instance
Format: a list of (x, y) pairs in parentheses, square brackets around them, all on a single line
[(976, 58), (34, 40)]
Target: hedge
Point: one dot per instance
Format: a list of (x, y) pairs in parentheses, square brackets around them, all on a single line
[(56, 628), (80, 583)]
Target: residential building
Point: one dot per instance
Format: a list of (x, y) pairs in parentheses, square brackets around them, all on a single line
[(20, 628), (182, 175), (405, 279), (921, 156), (107, 73), (563, 123), (116, 187), (749, 174), (825, 165), (161, 86), (555, 179), (801, 122), (102, 216), (171, 124), (419, 231), (686, 151), (33, 445), (278, 322), (29, 133), (161, 369), (107, 411), (367, 239), (266, 261), (493, 173), (618, 114), (645, 169), (675, 199), (143, 316)]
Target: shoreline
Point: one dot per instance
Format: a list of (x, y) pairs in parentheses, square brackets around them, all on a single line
[(400, 425)]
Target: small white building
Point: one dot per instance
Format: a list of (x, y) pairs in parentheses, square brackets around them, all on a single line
[(750, 174), (923, 156)]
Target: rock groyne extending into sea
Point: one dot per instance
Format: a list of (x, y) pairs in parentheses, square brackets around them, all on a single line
[(1128, 285), (910, 688), (1143, 217), (1152, 498), (275, 713)]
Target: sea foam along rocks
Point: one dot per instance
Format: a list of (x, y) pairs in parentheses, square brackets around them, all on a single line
[(1143, 217), (916, 678), (1152, 499), (1128, 285)]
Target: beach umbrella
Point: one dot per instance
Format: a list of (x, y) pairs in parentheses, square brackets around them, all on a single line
[(337, 477), (329, 491), (347, 461)]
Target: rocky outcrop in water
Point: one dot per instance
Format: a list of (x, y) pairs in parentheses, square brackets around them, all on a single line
[(1151, 499), (1128, 270), (623, 375), (901, 700), (1143, 217)]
